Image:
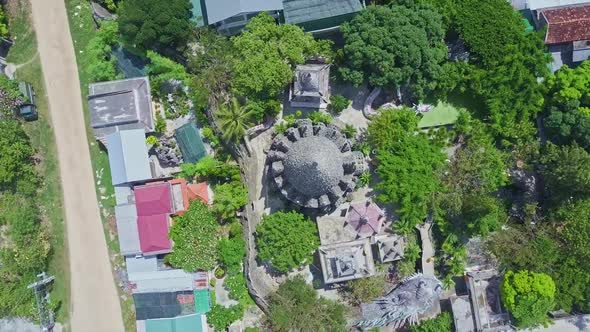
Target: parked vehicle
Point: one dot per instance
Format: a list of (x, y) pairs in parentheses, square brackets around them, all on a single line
[(27, 110)]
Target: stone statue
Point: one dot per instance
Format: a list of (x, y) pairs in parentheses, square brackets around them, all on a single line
[(413, 296)]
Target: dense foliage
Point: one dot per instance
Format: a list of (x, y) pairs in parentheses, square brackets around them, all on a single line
[(229, 198), (441, 323), (154, 24), (408, 164), (268, 53), (395, 46), (296, 306), (568, 105), (567, 172), (528, 296), (25, 249), (365, 290), (10, 96), (194, 232), (101, 64), (286, 240), (221, 317), (503, 67)]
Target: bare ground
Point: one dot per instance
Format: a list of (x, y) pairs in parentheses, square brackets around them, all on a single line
[(94, 302)]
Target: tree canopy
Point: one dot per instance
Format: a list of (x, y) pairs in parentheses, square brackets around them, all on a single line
[(195, 236), (286, 240), (528, 296), (296, 306), (395, 46), (441, 323), (268, 53), (408, 164), (567, 172), (568, 105), (154, 24)]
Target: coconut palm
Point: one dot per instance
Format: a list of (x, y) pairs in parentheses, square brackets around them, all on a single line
[(234, 119)]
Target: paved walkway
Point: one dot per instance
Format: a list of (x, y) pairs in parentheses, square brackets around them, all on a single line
[(94, 300), (427, 248)]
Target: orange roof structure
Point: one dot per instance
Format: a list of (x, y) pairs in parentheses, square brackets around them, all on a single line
[(198, 191), (567, 24)]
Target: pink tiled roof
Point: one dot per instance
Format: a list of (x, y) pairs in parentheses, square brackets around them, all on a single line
[(153, 233), (365, 217), (153, 199), (567, 24)]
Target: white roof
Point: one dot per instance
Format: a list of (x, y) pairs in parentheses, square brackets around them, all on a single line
[(542, 4), (219, 10)]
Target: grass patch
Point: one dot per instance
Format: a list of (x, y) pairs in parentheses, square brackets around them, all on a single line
[(82, 29), (42, 139)]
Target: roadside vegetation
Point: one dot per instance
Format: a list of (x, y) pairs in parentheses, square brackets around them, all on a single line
[(31, 214)]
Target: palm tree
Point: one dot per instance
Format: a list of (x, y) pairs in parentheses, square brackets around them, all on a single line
[(234, 119)]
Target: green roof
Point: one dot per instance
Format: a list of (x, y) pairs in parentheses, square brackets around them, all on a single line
[(191, 323), (190, 143), (202, 301), (320, 14), (441, 115)]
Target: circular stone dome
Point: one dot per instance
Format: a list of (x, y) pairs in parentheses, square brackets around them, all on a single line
[(313, 165)]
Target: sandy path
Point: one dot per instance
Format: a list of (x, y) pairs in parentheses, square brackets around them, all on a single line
[(95, 304)]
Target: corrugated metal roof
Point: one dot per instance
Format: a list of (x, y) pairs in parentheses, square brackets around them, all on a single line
[(190, 323), (127, 229), (141, 264), (219, 10), (123, 194), (300, 11), (128, 156), (162, 281)]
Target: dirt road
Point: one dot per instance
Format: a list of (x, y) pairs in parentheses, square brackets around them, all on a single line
[(95, 304)]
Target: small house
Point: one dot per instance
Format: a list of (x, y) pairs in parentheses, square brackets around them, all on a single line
[(128, 156)]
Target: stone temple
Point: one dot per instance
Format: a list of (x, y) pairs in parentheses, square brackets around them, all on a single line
[(313, 165)]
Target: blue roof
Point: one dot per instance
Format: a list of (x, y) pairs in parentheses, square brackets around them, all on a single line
[(128, 156)]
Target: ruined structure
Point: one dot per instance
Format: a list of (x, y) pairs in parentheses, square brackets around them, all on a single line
[(415, 295), (313, 165)]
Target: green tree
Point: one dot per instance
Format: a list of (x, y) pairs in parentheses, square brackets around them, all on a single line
[(234, 119), (568, 105), (576, 230), (528, 296), (409, 50), (286, 240), (101, 65), (567, 172), (365, 290), (212, 67), (229, 198), (17, 172), (162, 69), (268, 53), (296, 306), (231, 252), (441, 323), (408, 164), (196, 231), (154, 24), (221, 317)]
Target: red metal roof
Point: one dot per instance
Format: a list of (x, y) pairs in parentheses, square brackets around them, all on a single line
[(153, 199), (567, 24), (198, 191), (153, 233)]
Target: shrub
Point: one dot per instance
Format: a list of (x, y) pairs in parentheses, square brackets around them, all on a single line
[(196, 231), (221, 317), (151, 140), (160, 123), (235, 283), (3, 25), (529, 296), (366, 289), (232, 252), (101, 65), (229, 198), (338, 103), (286, 240), (212, 282), (219, 273), (320, 117), (441, 323)]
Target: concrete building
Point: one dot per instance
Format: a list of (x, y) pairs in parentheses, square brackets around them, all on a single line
[(346, 261), (311, 87)]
